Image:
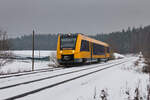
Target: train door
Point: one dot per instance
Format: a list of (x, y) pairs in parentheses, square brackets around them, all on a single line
[(105, 52), (91, 50), (106, 59)]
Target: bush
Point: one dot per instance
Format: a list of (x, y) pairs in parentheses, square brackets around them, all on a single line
[(146, 69), (5, 57)]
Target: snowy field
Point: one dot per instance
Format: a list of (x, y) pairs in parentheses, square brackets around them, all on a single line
[(21, 65), (118, 83), (26, 65), (28, 53)]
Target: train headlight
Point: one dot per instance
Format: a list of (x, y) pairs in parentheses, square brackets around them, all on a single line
[(61, 52), (72, 51)]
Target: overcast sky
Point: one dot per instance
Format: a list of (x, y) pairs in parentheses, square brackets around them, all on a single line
[(19, 17)]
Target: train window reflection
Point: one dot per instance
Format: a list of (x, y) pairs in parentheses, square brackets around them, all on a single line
[(68, 43)]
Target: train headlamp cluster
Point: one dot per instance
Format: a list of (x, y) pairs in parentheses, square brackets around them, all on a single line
[(72, 51)]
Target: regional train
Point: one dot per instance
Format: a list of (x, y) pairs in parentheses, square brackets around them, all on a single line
[(79, 49)]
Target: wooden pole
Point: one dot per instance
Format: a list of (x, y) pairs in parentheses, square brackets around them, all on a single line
[(39, 54), (33, 51)]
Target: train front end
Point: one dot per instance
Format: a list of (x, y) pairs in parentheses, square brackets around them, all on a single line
[(66, 49)]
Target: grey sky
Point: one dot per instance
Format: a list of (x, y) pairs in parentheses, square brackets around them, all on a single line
[(19, 17)]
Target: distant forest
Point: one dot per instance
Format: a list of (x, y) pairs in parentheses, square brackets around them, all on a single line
[(42, 42), (132, 40)]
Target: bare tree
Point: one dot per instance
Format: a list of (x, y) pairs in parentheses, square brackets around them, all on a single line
[(4, 47), (54, 59)]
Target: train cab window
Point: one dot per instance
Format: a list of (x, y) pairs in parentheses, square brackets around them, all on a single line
[(84, 45), (68, 42)]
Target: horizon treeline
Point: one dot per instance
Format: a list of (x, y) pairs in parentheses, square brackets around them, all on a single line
[(4, 43), (132, 40)]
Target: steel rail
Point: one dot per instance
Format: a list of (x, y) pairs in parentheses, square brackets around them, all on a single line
[(29, 72), (33, 72), (49, 77), (59, 83)]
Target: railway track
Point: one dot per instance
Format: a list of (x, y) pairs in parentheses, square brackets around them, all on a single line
[(78, 74), (49, 77), (29, 72), (35, 72), (24, 75)]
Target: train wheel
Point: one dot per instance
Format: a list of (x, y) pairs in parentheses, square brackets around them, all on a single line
[(84, 60), (98, 60), (106, 59)]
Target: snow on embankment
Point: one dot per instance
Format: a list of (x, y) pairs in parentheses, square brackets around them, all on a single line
[(118, 56), (23, 61), (121, 82), (20, 65), (37, 53)]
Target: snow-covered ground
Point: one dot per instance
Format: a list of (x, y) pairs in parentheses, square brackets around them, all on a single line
[(118, 56), (28, 53), (26, 65), (116, 82)]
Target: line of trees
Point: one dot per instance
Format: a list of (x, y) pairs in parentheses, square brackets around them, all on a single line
[(42, 42), (4, 47), (132, 40), (4, 43)]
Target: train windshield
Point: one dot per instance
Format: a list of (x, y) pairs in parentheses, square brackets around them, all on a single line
[(68, 42)]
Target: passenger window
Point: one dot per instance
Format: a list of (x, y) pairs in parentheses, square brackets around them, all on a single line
[(84, 45), (108, 50), (98, 49)]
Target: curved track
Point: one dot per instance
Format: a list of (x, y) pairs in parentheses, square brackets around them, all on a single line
[(49, 77), (81, 73), (25, 75), (29, 72)]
